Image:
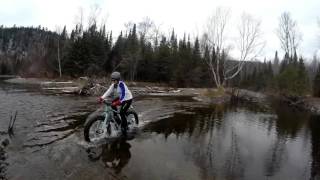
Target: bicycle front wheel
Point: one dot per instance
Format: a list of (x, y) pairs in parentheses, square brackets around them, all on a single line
[(94, 129)]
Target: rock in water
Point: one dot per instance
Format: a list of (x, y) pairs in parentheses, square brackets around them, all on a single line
[(5, 142)]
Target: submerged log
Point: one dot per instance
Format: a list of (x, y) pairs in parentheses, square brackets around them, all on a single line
[(11, 123), (294, 101)]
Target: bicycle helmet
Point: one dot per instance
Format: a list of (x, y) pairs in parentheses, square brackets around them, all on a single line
[(115, 76)]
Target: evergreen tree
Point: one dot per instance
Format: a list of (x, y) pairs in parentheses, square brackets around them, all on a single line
[(196, 50), (295, 59), (316, 83), (108, 47), (270, 70), (293, 80), (146, 70), (64, 34), (117, 53), (284, 63), (87, 53), (132, 55), (313, 67), (254, 76), (276, 63), (303, 77), (162, 63), (173, 43)]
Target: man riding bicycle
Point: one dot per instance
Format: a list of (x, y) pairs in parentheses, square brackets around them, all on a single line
[(122, 97)]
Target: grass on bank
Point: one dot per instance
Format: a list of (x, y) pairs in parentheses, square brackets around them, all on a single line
[(217, 92)]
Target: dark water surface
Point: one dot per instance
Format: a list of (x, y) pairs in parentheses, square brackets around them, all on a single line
[(179, 139)]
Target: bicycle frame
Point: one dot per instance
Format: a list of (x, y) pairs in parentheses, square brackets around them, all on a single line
[(108, 111), (108, 114)]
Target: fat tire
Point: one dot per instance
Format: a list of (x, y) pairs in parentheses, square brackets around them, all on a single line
[(88, 124), (136, 119)]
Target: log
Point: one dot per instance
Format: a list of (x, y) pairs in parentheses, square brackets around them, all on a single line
[(11, 123)]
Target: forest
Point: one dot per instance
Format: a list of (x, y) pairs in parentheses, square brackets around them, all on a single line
[(142, 52)]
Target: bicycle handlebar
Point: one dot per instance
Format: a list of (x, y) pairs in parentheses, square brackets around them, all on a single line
[(107, 102)]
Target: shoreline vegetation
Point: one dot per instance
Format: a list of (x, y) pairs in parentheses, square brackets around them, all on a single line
[(85, 86)]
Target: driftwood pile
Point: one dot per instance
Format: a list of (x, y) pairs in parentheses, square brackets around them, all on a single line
[(83, 86), (147, 90), (89, 87), (67, 87), (245, 95)]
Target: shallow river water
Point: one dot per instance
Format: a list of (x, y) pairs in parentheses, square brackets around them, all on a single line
[(179, 138)]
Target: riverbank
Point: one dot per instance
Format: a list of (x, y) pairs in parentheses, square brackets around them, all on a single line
[(312, 104), (97, 86), (309, 104)]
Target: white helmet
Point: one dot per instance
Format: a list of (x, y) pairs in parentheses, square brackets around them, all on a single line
[(115, 75)]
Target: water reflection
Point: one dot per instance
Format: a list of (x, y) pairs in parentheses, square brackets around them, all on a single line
[(290, 120), (315, 147), (288, 124), (234, 142), (193, 124), (115, 154), (275, 156)]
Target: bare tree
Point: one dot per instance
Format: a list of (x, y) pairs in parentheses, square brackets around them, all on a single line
[(79, 19), (213, 39), (58, 30), (249, 45), (145, 27), (288, 34), (128, 26), (155, 34), (95, 12)]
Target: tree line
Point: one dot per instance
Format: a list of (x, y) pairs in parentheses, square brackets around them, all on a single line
[(290, 77), (33, 51)]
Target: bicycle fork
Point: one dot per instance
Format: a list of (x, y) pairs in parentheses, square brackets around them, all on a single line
[(104, 124)]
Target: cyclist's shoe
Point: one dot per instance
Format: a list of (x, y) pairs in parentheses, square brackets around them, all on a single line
[(124, 131), (118, 120)]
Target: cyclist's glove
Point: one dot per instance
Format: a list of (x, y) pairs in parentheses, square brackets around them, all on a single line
[(116, 103), (100, 100)]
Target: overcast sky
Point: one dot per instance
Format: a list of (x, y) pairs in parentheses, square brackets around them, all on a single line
[(186, 16)]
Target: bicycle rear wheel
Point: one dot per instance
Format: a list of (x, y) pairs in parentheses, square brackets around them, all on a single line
[(132, 119)]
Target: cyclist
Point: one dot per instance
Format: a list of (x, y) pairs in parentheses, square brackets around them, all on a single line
[(122, 97)]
